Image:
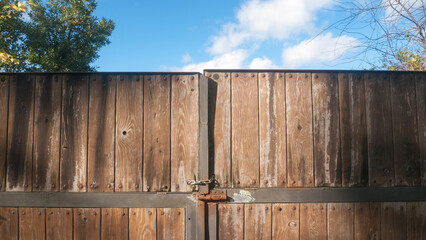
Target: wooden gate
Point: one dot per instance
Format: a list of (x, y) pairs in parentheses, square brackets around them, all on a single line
[(295, 155)]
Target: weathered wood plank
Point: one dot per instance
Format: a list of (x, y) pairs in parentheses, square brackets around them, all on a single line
[(300, 165), (394, 221), (142, 223), (421, 120), (20, 133), (285, 221), (170, 223), (405, 132), (231, 221), (184, 138), (9, 223), (4, 106), (367, 221), (379, 129), (101, 133), (129, 132), (220, 127), (59, 224), (313, 221), (272, 130), (258, 221), (416, 222), (115, 223), (75, 107), (47, 133), (340, 221), (245, 130), (326, 130), (353, 130), (32, 224), (156, 143), (87, 223)]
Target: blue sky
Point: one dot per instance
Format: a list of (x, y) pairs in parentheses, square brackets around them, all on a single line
[(189, 35)]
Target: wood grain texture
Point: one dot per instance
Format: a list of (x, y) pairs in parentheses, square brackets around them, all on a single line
[(405, 132), (300, 165), (129, 133), (156, 142), (416, 222), (245, 130), (75, 107), (87, 223), (101, 133), (220, 127), (421, 120), (115, 223), (59, 224), (313, 221), (325, 95), (394, 221), (9, 223), (353, 130), (258, 221), (379, 129), (20, 133), (170, 223), (231, 221), (32, 224), (184, 133), (285, 221), (367, 221), (142, 224), (47, 132), (340, 221), (272, 130), (4, 107)]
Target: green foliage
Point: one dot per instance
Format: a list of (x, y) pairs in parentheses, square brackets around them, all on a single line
[(407, 61)]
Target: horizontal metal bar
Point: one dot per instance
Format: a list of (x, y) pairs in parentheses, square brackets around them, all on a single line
[(309, 71), (99, 73), (303, 195)]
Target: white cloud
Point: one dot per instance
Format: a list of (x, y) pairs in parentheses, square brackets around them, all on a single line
[(262, 63), (229, 60), (322, 49), (186, 58)]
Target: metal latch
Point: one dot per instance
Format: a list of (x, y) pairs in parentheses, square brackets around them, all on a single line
[(202, 182)]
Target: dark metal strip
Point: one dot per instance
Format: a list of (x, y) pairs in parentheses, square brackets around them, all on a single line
[(325, 195), (309, 71), (203, 140), (212, 221)]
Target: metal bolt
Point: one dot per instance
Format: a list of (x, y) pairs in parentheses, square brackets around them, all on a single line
[(133, 213), (80, 186), (282, 182), (306, 75), (149, 78), (23, 213), (192, 78), (95, 213), (148, 187), (316, 76), (38, 213), (266, 181), (177, 78), (294, 182), (122, 79), (349, 208), (333, 208), (149, 213), (263, 75), (64, 186), (109, 185), (79, 213), (0, 185), (36, 186), (53, 186), (84, 218), (374, 181), (178, 213), (226, 75), (92, 185), (124, 133), (106, 213), (290, 76), (164, 78), (294, 208), (236, 75), (238, 208), (254, 181), (120, 186), (238, 182), (68, 213), (136, 185), (3, 79), (164, 186), (322, 207), (177, 186), (280, 209), (252, 75), (279, 75), (13, 212), (266, 208), (10, 185), (26, 185), (162, 213), (123, 214), (51, 213)]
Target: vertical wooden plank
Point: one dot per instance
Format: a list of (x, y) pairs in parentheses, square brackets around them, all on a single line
[(87, 223), (4, 105), (313, 221), (101, 133), (405, 132), (416, 222), (272, 130), (379, 129), (47, 133), (245, 130), (115, 223), (353, 130), (300, 165), (184, 138), (9, 223), (20, 133), (258, 221), (231, 221), (220, 127), (59, 224), (340, 221), (75, 107), (32, 223), (285, 221), (142, 224), (394, 221), (129, 132), (421, 120), (170, 223), (367, 221), (325, 91), (156, 142)]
